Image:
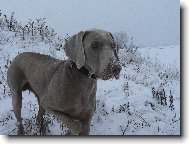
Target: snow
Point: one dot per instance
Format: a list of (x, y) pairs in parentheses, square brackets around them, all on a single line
[(170, 54), (124, 107)]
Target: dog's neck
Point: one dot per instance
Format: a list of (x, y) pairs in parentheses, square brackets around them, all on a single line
[(83, 70)]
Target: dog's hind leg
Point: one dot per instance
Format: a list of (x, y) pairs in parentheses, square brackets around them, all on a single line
[(17, 106), (15, 79), (40, 119)]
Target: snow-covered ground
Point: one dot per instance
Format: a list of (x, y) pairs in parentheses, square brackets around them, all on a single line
[(124, 107)]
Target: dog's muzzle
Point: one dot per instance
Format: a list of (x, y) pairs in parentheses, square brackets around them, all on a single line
[(111, 71), (116, 71)]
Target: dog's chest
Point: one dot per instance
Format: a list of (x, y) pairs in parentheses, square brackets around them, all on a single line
[(79, 95)]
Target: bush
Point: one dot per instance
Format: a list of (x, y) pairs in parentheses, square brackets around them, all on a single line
[(129, 50), (33, 31)]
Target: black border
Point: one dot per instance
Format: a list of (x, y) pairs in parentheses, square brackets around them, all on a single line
[(150, 137)]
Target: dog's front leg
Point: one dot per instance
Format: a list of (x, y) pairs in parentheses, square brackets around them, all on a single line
[(74, 126), (85, 126)]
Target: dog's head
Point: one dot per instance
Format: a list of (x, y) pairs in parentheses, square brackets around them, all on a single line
[(95, 50)]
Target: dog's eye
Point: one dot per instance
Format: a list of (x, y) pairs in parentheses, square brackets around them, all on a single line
[(95, 45)]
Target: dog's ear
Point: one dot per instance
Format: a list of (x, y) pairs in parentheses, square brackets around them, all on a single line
[(112, 36), (75, 50), (116, 50)]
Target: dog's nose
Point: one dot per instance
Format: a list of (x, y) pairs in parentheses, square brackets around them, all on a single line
[(116, 71)]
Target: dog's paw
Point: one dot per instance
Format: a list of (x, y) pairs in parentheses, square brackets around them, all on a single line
[(68, 133), (20, 130), (75, 127)]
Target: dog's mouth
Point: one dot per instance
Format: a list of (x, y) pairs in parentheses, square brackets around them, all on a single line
[(116, 73), (111, 72)]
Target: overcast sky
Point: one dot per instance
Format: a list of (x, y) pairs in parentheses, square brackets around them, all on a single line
[(150, 22)]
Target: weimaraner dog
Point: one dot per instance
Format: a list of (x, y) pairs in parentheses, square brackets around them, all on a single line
[(66, 89)]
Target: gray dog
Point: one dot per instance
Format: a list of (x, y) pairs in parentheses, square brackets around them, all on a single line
[(66, 89)]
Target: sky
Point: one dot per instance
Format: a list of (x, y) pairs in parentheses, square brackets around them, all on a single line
[(149, 22)]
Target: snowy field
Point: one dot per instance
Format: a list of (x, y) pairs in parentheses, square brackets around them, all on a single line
[(131, 105)]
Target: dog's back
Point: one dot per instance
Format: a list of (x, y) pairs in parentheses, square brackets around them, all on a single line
[(30, 69)]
